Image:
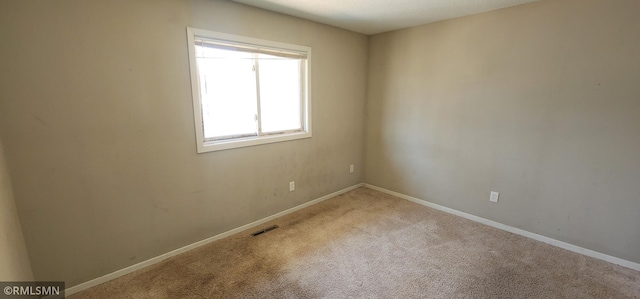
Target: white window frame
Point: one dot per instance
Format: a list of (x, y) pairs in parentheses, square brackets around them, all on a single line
[(204, 145)]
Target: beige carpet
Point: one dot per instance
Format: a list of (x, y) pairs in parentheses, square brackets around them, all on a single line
[(367, 244)]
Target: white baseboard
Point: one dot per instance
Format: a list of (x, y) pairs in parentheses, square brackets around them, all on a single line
[(94, 282), (517, 231)]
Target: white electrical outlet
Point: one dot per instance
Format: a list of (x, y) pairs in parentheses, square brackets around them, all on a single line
[(351, 168), (292, 186), (494, 196)]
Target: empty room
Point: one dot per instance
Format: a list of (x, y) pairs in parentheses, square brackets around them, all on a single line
[(320, 149)]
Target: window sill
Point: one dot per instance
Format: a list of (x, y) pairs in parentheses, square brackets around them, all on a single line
[(221, 145)]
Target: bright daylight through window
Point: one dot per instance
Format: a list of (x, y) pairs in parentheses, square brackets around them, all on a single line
[(247, 91)]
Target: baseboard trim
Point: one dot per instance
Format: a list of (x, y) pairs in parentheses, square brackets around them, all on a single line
[(517, 231), (94, 282)]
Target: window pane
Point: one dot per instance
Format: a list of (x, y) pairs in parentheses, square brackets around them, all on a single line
[(228, 90), (279, 93)]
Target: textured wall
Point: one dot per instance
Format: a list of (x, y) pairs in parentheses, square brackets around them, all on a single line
[(96, 115), (539, 102), (14, 261)]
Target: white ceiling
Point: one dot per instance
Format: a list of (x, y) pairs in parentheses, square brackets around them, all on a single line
[(377, 16)]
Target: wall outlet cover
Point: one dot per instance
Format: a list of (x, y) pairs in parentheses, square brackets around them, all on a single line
[(494, 196)]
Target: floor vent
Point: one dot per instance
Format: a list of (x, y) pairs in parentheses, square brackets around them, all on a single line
[(270, 228)]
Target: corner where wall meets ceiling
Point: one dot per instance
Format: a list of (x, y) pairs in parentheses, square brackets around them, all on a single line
[(377, 16)]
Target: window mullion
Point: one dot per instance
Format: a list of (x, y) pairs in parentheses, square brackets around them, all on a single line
[(259, 112)]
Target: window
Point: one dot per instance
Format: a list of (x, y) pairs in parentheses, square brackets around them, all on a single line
[(247, 91)]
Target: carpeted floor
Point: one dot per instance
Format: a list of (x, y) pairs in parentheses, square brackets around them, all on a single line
[(367, 244)]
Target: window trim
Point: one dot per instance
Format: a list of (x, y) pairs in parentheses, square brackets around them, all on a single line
[(208, 145)]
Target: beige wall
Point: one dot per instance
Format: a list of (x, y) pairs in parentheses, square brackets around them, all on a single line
[(96, 115), (14, 261), (540, 102)]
